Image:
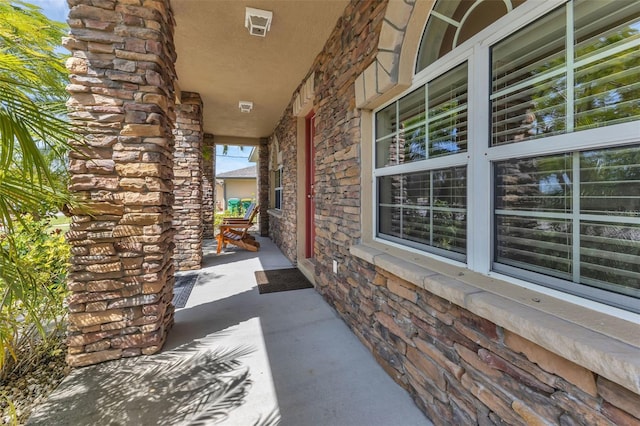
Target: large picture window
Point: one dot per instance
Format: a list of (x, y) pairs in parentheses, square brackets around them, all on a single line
[(542, 85), (418, 204), (544, 146), (426, 209), (572, 216)]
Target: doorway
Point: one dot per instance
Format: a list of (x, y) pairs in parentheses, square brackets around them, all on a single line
[(309, 185)]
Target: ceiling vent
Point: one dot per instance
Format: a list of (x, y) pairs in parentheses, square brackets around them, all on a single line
[(258, 21), (245, 106)]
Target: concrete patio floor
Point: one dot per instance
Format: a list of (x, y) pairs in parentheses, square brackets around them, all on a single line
[(236, 357)]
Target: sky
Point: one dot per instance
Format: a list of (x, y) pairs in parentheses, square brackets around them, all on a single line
[(58, 10), (235, 159)]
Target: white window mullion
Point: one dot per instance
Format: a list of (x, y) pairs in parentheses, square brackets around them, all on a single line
[(575, 221), (427, 120), (601, 137), (397, 162), (453, 160), (479, 193), (402, 208), (373, 232), (397, 136), (570, 68), (431, 208), (445, 18)]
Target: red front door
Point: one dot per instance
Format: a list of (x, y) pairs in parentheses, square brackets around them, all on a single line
[(310, 166)]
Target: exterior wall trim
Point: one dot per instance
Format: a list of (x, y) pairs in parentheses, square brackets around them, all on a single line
[(274, 212), (392, 70), (608, 347), (303, 102)]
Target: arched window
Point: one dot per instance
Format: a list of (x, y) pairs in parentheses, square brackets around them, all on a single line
[(452, 22)]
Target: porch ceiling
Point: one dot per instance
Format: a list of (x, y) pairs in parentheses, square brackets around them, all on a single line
[(218, 59)]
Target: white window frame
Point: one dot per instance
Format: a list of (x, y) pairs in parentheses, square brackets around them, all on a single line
[(480, 156), (277, 196), (275, 172), (430, 164)]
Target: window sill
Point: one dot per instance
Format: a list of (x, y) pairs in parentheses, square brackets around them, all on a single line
[(606, 345), (275, 213)]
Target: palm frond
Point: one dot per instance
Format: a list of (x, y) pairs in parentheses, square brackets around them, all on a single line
[(34, 137), (19, 195)]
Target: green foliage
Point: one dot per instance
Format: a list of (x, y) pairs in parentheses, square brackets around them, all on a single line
[(33, 135), (61, 222), (34, 141), (207, 153), (219, 216), (31, 313)]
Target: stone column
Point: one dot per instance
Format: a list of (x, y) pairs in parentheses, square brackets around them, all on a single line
[(263, 186), (122, 105), (208, 185), (187, 182)]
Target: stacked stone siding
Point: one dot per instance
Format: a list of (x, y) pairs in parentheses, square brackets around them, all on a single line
[(187, 183), (263, 186), (283, 227), (122, 104), (459, 368), (349, 50), (463, 369), (208, 185)]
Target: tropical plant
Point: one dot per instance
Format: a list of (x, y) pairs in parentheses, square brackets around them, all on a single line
[(33, 143), (30, 323), (33, 132)]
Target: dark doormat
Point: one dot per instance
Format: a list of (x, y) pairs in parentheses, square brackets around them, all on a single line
[(182, 289), (281, 280)]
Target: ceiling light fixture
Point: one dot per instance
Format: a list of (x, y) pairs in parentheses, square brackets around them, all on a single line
[(245, 106), (258, 21)]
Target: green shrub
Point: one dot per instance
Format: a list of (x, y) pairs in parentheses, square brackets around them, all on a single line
[(32, 313), (217, 219)]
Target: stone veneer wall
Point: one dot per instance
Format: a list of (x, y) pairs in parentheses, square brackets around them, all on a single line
[(208, 185), (462, 369), (187, 183), (263, 186), (459, 367), (349, 50), (122, 103), (283, 224)]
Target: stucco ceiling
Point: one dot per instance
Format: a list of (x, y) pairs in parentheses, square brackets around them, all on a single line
[(220, 60)]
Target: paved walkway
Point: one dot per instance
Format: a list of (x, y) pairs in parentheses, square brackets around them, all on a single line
[(236, 357)]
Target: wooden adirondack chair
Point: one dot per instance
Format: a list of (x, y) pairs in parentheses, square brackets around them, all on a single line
[(247, 215), (238, 234)]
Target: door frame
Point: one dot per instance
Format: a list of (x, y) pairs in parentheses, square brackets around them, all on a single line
[(306, 265), (309, 165)]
